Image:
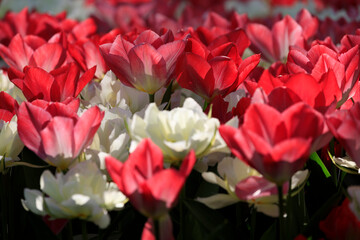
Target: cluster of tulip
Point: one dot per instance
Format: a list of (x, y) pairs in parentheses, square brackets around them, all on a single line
[(180, 119)]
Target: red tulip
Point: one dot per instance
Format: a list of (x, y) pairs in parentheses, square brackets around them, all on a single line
[(88, 55), (217, 70), (322, 94), (320, 59), (55, 132), (151, 189), (276, 144), (341, 223), (55, 86), (32, 51)]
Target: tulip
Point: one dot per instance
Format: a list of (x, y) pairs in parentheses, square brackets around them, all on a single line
[(151, 189), (178, 131), (55, 86), (32, 51), (80, 193), (274, 44), (243, 183), (272, 142), (345, 125), (10, 144), (55, 132), (147, 63)]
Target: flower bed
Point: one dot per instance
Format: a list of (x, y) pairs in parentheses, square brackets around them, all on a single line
[(180, 120)]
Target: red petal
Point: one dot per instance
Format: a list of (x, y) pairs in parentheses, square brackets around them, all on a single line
[(31, 120), (148, 67), (286, 33), (41, 57), (58, 140), (86, 127), (37, 84), (261, 37), (114, 167)]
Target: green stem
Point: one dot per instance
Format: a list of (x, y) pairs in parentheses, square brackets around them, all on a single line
[(152, 98), (157, 229), (281, 213), (84, 230), (4, 206), (253, 222), (67, 234), (205, 105), (182, 214)]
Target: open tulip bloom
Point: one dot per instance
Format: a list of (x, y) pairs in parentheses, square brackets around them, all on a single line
[(182, 119), (273, 142), (55, 132)]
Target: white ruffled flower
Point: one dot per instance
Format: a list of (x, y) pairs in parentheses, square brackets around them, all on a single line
[(232, 171), (81, 193), (178, 131), (111, 138), (110, 92), (10, 144)]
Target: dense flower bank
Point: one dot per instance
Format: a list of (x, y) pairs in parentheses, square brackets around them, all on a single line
[(159, 119)]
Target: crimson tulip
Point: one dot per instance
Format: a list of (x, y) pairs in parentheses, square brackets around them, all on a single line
[(55, 86), (217, 70), (151, 189)]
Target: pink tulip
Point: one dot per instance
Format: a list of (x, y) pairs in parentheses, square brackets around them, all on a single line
[(55, 132), (345, 125), (274, 44), (147, 63)]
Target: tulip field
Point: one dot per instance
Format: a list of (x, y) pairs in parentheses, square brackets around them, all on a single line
[(180, 119)]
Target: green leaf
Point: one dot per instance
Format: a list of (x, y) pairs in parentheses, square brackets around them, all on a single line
[(270, 233), (315, 157), (212, 224), (322, 213), (167, 96)]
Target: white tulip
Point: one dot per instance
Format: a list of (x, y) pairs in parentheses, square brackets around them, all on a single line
[(232, 171), (80, 193), (177, 131), (111, 138), (10, 144)]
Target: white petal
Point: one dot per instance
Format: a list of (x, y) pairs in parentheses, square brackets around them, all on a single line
[(218, 201)]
